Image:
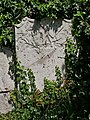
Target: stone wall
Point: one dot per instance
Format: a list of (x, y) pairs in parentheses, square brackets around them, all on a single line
[(6, 83)]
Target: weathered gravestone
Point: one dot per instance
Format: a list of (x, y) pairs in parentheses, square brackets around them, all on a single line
[(6, 83), (40, 46)]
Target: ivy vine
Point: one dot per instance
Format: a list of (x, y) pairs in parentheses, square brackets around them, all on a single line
[(12, 12), (70, 102)]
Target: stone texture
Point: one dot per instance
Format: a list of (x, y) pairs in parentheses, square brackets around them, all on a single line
[(6, 84), (40, 46)]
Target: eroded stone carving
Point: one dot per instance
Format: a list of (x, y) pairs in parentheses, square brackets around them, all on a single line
[(40, 46)]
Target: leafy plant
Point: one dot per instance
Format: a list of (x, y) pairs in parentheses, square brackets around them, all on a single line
[(70, 102), (12, 12), (77, 65), (32, 104)]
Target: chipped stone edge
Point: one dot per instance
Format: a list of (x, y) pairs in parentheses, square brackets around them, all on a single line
[(23, 21)]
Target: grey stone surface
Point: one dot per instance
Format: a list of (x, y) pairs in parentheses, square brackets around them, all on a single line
[(40, 46), (6, 84)]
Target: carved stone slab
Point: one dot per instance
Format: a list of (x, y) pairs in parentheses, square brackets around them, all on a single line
[(6, 84), (40, 46)]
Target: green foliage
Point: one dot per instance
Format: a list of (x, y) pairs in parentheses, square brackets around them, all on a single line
[(52, 9), (12, 12), (70, 58), (70, 102), (30, 103), (78, 59)]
